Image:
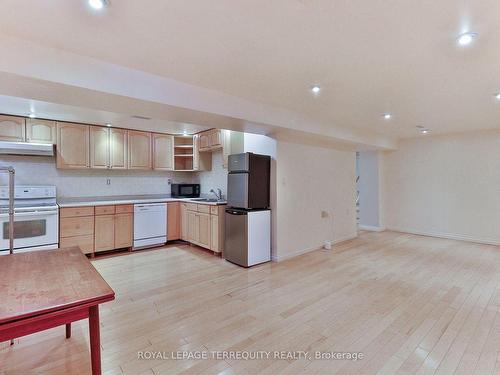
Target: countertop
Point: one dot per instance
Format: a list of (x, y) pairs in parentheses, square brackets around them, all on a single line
[(125, 199)]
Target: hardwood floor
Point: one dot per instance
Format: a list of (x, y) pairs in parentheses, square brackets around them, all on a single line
[(410, 304)]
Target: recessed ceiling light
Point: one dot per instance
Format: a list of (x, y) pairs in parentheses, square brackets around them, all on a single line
[(497, 96), (98, 4), (387, 116), (424, 131), (316, 89), (108, 125), (466, 38)]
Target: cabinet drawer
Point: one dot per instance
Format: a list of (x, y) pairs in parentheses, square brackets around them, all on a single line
[(76, 211), (124, 209), (204, 208), (85, 243), (214, 210), (191, 206), (77, 226), (104, 210)]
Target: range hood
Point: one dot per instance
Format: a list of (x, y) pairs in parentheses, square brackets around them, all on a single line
[(23, 148)]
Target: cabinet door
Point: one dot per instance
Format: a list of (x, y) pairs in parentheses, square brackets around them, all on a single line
[(104, 233), (163, 152), (12, 128), (215, 139), (118, 148), (196, 152), (124, 230), (184, 222), (214, 233), (72, 146), (99, 147), (139, 150), (173, 221), (205, 141), (193, 224), (40, 131), (204, 231)]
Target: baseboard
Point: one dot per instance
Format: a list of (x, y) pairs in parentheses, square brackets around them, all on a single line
[(308, 250), (449, 236), (371, 228)]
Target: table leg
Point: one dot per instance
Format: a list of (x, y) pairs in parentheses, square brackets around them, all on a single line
[(68, 330), (95, 345)]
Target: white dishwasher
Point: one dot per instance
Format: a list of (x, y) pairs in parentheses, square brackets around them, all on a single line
[(150, 225)]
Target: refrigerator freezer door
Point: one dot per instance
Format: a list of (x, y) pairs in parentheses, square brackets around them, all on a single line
[(239, 162), (237, 190), (236, 241)]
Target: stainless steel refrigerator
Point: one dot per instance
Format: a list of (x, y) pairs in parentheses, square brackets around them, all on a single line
[(248, 217)]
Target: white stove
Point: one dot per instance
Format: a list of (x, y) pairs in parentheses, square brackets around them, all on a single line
[(36, 218)]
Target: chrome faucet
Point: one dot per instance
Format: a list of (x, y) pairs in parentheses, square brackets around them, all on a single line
[(218, 194)]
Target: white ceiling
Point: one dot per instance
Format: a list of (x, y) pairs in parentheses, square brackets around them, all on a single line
[(54, 111), (369, 57)]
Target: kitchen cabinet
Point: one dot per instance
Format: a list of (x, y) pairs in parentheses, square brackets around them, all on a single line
[(163, 152), (173, 221), (104, 233), (124, 230), (72, 146), (204, 141), (12, 128), (76, 228), (202, 161), (118, 150), (99, 147), (184, 226), (204, 230), (210, 140), (41, 131), (139, 150), (214, 232), (203, 225), (98, 228)]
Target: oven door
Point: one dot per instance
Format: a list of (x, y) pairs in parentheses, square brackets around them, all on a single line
[(32, 230)]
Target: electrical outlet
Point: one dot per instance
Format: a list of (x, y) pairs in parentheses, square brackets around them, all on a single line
[(108, 181), (169, 181), (324, 214)]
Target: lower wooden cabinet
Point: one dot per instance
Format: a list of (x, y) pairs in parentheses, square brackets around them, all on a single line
[(173, 221), (95, 229), (104, 233), (124, 230), (203, 225)]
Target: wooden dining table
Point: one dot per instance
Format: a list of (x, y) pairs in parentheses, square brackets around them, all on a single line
[(49, 288)]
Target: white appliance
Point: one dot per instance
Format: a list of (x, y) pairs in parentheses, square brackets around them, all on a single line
[(36, 219), (150, 225)]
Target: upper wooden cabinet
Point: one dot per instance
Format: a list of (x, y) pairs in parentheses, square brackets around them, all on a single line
[(201, 161), (72, 146), (99, 147), (118, 150), (12, 128), (163, 152), (41, 131), (210, 140), (139, 150)]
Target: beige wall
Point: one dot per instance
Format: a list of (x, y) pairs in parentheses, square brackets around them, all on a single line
[(311, 180), (445, 186)]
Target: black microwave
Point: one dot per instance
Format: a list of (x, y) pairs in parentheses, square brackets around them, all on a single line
[(185, 190)]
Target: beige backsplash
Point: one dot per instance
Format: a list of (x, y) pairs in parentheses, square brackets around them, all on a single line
[(36, 170)]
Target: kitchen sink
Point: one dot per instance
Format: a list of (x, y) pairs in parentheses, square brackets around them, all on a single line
[(204, 200)]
